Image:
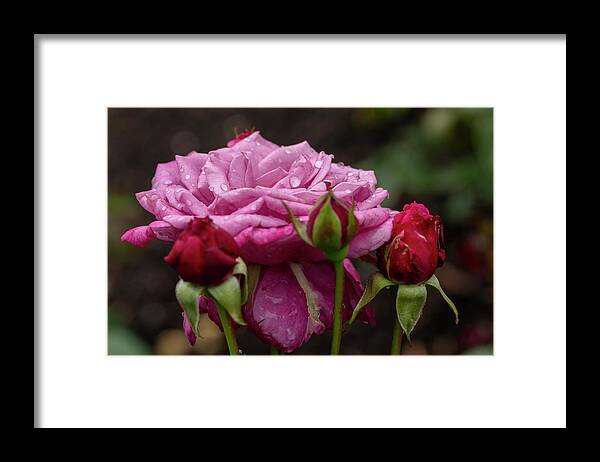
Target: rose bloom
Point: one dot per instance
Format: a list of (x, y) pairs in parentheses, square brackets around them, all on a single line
[(416, 248), (241, 188)]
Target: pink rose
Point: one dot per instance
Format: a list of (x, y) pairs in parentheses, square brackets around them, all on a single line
[(241, 188)]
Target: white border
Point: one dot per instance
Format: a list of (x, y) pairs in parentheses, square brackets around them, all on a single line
[(523, 384)]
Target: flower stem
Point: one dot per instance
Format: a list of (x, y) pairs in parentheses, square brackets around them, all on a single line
[(228, 330), (336, 338), (396, 338), (274, 351)]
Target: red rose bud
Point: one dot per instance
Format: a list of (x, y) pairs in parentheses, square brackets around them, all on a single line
[(331, 226), (245, 134), (203, 253), (416, 246)]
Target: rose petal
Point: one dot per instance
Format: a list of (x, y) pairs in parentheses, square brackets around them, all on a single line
[(256, 145), (190, 169), (139, 236), (165, 175), (237, 171), (275, 245), (370, 238), (278, 312), (187, 329)]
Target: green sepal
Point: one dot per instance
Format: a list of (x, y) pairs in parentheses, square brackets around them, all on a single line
[(188, 296), (337, 255), (311, 296), (327, 229), (228, 294), (252, 280), (434, 282), (352, 224), (300, 229), (241, 269), (410, 300), (375, 284)]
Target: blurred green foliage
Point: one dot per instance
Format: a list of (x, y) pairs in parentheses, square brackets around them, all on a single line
[(445, 154), (122, 340)]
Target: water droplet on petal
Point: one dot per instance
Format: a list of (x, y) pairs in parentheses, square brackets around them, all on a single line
[(164, 208), (224, 187), (187, 177), (294, 182), (319, 163), (287, 151), (167, 182), (258, 143), (253, 207), (350, 173), (348, 191)]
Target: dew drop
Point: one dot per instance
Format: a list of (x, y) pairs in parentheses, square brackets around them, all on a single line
[(258, 143), (350, 173), (164, 208), (224, 187), (348, 191), (294, 181), (167, 182), (319, 163), (187, 177), (253, 207), (287, 151)]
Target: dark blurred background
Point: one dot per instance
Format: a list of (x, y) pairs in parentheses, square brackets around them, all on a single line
[(441, 157)]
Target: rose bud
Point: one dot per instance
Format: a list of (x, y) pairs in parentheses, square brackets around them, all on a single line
[(203, 253), (245, 134), (416, 246), (331, 226)]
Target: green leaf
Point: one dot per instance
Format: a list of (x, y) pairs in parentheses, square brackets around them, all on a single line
[(376, 282), (187, 295), (410, 300), (300, 229), (434, 282), (229, 295), (327, 229)]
